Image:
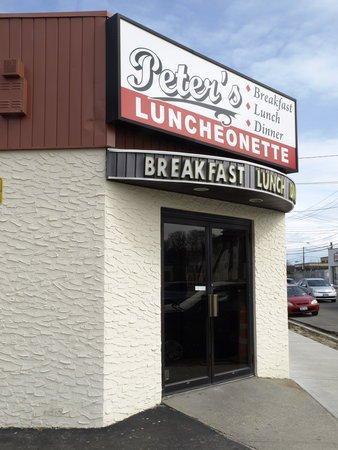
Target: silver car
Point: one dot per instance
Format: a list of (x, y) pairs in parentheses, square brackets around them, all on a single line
[(318, 288)]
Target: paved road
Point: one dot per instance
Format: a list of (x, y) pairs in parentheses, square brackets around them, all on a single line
[(327, 318), (314, 367)]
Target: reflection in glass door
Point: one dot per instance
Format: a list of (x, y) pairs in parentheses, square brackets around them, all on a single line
[(229, 283), (185, 305), (206, 308)]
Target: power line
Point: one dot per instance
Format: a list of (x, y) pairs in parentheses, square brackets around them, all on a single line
[(302, 228), (310, 249), (300, 252), (309, 231), (314, 217), (318, 209), (321, 201), (319, 182), (322, 156), (315, 248), (295, 250), (325, 237), (313, 214), (327, 204)]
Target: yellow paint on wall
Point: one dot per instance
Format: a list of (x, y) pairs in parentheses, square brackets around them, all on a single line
[(1, 190)]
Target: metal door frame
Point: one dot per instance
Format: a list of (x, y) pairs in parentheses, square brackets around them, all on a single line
[(210, 221)]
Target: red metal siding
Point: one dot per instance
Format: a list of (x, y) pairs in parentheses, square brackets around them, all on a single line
[(64, 56), (64, 60)]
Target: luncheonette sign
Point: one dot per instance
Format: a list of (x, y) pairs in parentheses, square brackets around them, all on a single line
[(170, 88), (221, 178)]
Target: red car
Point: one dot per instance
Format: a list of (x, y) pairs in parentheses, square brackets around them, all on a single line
[(299, 302)]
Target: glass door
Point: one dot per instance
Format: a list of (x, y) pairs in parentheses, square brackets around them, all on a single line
[(206, 289), (230, 315), (185, 305)]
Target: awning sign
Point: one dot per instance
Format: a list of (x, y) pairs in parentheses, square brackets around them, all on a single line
[(212, 177), (167, 87)]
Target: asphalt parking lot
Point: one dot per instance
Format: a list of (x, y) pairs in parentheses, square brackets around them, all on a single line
[(327, 319), (160, 428)]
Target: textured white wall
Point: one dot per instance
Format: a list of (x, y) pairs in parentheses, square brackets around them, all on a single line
[(80, 327), (51, 288), (132, 292)]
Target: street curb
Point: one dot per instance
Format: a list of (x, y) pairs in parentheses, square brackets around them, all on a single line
[(323, 337)]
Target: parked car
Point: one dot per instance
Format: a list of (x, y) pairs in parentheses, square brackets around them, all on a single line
[(290, 281), (299, 302), (318, 288)]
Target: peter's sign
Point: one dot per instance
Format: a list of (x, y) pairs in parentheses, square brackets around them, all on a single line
[(167, 87)]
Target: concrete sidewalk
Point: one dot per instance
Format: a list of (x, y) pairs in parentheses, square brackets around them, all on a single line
[(263, 414), (314, 367)]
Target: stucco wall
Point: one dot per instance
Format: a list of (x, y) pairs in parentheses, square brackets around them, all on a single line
[(132, 292), (80, 290), (51, 288)]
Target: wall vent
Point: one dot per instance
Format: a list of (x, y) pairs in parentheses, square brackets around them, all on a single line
[(13, 68), (13, 89)]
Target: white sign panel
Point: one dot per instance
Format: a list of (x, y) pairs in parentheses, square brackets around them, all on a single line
[(170, 88)]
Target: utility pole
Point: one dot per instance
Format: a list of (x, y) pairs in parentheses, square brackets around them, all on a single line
[(303, 264)]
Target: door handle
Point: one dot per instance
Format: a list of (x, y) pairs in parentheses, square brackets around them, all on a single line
[(213, 305)]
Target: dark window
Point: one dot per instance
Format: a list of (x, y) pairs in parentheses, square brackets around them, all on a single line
[(318, 283), (295, 291)]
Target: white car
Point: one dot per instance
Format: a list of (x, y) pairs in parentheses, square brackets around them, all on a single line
[(319, 288)]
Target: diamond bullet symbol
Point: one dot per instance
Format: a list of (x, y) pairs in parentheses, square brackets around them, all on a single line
[(248, 105), (248, 88), (248, 122)]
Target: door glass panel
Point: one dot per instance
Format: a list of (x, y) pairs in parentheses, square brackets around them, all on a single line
[(230, 327), (185, 305)]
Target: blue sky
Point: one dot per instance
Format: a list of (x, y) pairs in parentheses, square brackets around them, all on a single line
[(291, 46)]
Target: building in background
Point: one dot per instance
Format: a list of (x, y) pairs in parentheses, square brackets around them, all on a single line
[(144, 191), (308, 270), (333, 266)]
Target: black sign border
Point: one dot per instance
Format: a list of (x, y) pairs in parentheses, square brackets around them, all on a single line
[(119, 169), (113, 85)]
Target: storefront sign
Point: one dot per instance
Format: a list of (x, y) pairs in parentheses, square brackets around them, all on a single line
[(168, 87), (222, 178)]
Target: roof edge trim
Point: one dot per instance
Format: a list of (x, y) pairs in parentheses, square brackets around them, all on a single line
[(56, 14)]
